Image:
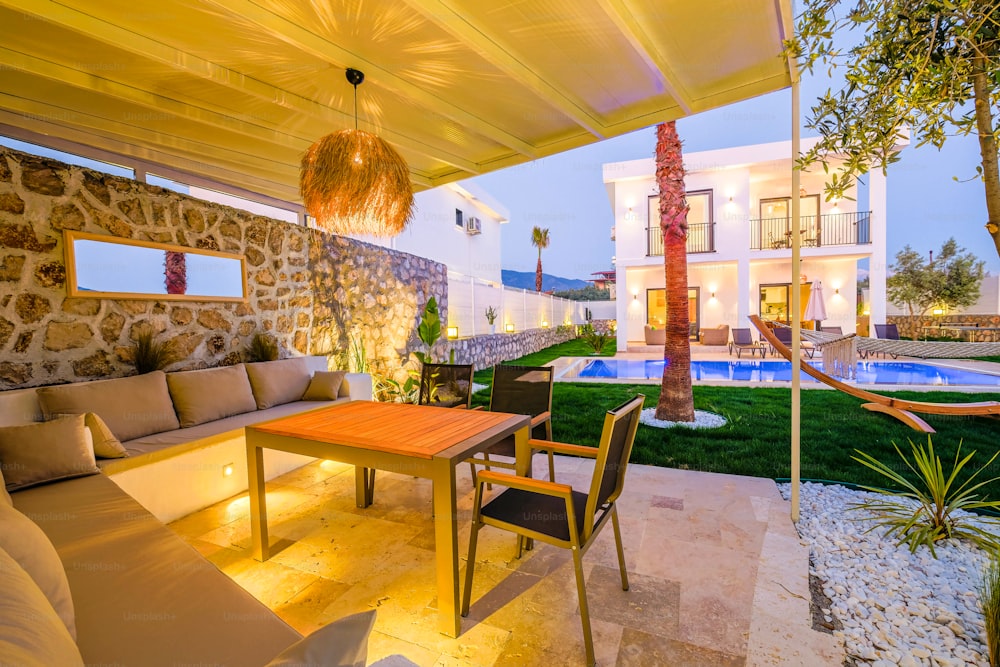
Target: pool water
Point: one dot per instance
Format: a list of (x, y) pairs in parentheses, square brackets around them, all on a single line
[(869, 372)]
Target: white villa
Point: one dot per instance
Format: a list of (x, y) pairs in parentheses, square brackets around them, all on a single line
[(739, 241)]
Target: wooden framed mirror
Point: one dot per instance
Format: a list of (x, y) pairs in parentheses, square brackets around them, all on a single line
[(110, 267)]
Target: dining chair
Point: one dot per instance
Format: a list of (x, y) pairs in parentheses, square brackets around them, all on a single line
[(520, 390), (441, 385), (557, 514)]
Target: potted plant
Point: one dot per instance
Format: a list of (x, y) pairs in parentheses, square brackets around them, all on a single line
[(491, 316)]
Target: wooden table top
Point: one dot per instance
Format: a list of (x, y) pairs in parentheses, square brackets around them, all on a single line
[(413, 430)]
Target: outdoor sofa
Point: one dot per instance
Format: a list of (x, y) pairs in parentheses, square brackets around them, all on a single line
[(91, 575), (717, 336)]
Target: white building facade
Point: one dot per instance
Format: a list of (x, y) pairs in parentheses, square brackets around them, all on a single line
[(739, 241)]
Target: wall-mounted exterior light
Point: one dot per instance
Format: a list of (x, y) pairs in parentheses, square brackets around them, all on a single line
[(452, 332), (509, 327)]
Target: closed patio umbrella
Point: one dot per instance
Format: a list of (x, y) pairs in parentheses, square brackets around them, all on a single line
[(815, 307)]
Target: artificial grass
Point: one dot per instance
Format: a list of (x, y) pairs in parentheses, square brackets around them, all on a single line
[(756, 440), (571, 348)]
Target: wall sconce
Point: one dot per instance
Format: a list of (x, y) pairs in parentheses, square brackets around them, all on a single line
[(227, 470), (713, 295), (629, 215), (635, 297), (545, 324), (452, 332), (509, 327), (836, 290)]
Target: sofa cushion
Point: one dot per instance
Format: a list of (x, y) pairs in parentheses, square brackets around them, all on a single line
[(27, 544), (31, 632), (106, 445), (343, 643), (278, 382), (4, 496), (131, 407), (206, 395), (142, 595), (324, 386), (45, 452)]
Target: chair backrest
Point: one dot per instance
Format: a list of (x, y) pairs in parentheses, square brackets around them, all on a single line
[(784, 334), (617, 438), (887, 331), (446, 385), (836, 330), (742, 337), (521, 390)]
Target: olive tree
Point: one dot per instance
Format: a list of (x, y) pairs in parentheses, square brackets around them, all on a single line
[(931, 67)]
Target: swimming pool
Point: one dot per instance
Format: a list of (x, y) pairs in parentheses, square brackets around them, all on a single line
[(869, 372)]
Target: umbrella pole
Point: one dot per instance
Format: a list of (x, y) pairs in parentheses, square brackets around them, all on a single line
[(796, 296)]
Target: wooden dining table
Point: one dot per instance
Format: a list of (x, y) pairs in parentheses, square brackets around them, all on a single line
[(417, 440)]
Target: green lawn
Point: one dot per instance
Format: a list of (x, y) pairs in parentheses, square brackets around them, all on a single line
[(756, 440)]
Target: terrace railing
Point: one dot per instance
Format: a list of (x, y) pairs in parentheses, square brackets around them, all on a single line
[(701, 238), (831, 229)]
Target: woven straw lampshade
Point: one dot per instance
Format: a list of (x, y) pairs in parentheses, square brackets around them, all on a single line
[(353, 182)]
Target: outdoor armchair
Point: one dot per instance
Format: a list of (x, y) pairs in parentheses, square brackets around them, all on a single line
[(556, 513), (520, 390), (717, 336), (743, 340)]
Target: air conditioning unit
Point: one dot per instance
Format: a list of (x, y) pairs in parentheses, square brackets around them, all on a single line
[(473, 226)]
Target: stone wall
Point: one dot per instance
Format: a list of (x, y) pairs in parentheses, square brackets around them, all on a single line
[(913, 327), (313, 291), (491, 349)]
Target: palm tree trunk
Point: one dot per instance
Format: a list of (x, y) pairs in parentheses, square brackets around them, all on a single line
[(676, 401), (538, 272)]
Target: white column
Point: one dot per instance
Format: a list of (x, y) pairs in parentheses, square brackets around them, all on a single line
[(878, 261), (744, 302)]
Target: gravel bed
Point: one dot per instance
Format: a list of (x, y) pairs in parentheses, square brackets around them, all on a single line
[(702, 419), (896, 608)]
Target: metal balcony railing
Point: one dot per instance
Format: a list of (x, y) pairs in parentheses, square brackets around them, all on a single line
[(831, 229), (701, 238)]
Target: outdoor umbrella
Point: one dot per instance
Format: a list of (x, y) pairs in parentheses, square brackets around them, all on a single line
[(815, 308)]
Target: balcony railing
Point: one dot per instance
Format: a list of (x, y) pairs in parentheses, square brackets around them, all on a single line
[(701, 238), (831, 229)]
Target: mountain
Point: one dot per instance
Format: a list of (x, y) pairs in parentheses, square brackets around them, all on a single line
[(526, 280)]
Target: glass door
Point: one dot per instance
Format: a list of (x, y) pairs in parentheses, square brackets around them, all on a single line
[(775, 302), (656, 309)]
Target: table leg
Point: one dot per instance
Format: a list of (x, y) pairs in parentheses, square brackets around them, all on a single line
[(364, 486), (258, 501), (446, 548), (522, 452)]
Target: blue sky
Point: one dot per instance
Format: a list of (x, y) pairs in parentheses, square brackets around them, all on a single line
[(566, 194)]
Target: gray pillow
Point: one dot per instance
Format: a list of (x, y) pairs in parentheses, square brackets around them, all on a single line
[(31, 632), (343, 643), (207, 395), (278, 382), (106, 445), (45, 452), (27, 544), (324, 386), (132, 407)]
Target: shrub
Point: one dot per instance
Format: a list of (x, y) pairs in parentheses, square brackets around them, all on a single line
[(263, 347), (989, 596), (149, 354), (929, 515), (596, 340)]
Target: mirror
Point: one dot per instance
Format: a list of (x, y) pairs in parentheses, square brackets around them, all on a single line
[(110, 267)]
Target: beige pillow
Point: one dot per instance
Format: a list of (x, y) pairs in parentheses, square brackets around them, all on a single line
[(31, 632), (106, 445), (278, 382), (45, 452), (4, 496), (207, 395), (324, 386), (27, 544), (343, 643), (131, 407)]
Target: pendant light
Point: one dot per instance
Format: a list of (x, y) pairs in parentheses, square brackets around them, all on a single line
[(353, 182)]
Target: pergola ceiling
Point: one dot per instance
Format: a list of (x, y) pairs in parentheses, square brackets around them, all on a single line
[(236, 90)]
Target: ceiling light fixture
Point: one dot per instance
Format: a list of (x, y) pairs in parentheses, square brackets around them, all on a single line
[(353, 182)]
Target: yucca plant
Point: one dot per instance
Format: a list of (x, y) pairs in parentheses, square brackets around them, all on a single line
[(149, 354), (263, 347), (989, 598), (929, 516)]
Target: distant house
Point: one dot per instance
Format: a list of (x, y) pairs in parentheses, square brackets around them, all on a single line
[(739, 240), (605, 280)]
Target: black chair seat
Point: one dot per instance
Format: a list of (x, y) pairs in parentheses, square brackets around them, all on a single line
[(545, 514)]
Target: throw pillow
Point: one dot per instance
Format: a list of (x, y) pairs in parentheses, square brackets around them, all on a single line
[(210, 394), (324, 386), (45, 452), (31, 632), (278, 382), (4, 496), (106, 445), (343, 643), (28, 545)]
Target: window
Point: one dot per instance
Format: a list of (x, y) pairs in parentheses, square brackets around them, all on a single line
[(459, 222), (68, 158), (776, 302), (656, 308), (218, 197)]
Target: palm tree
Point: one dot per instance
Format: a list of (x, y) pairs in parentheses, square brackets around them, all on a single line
[(676, 401), (539, 239)]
